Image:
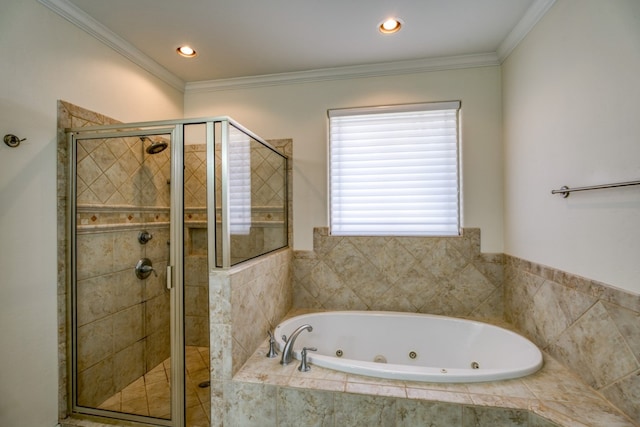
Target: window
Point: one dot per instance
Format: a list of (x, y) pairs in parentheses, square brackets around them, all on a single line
[(394, 170), (239, 182)]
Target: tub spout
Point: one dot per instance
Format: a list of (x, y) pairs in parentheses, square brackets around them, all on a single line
[(287, 353)]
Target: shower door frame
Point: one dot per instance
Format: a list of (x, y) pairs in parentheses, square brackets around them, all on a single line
[(175, 270)]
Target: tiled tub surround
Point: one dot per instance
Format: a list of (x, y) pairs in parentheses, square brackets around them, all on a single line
[(264, 393), (435, 275), (246, 301), (591, 328)]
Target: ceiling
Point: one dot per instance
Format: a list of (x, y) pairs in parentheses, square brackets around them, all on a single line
[(242, 38)]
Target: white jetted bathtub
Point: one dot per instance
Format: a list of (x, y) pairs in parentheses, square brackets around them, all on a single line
[(408, 346)]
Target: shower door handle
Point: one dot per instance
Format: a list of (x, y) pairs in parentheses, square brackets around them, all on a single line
[(169, 277)]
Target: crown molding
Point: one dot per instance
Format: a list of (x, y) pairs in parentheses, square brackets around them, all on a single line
[(350, 72), (85, 22), (531, 17), (76, 16)]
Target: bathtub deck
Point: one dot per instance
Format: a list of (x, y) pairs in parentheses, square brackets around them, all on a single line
[(552, 396)]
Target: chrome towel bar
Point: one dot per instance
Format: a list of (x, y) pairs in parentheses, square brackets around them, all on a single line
[(565, 191)]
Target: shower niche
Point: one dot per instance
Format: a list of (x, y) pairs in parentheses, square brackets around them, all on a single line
[(153, 209)]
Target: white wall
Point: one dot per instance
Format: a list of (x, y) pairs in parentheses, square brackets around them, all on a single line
[(45, 58), (572, 117), (299, 111)]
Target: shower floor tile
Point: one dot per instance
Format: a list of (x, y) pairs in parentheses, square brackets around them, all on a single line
[(149, 395)]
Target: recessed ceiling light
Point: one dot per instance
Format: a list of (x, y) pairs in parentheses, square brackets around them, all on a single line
[(186, 51), (390, 26)]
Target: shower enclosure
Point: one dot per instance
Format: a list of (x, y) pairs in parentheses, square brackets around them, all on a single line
[(154, 207)]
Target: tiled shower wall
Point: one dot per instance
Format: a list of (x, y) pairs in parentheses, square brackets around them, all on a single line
[(436, 275), (592, 328), (123, 322), (196, 278), (118, 195)]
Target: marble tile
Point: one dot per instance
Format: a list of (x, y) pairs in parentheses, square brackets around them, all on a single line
[(493, 401), (556, 308), (625, 394), (96, 255), (589, 326), (157, 374), (196, 300), (196, 330), (485, 416), (316, 383), (429, 275), (94, 298), (128, 327), (628, 324), (594, 344), (197, 417), (157, 312), (219, 299), (95, 384), (592, 415), (515, 388), (95, 342), (439, 396), (305, 408), (221, 352), (412, 413), (469, 287), (344, 299), (126, 290), (250, 404), (365, 411), (128, 364), (114, 403), (323, 281), (376, 389), (443, 260), (537, 421), (126, 249)]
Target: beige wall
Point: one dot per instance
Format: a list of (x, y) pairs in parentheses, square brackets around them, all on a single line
[(299, 111), (45, 59), (571, 117)]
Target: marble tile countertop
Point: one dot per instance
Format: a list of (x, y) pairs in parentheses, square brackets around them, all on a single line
[(553, 393)]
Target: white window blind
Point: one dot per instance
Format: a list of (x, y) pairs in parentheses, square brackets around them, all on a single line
[(394, 170), (239, 182)]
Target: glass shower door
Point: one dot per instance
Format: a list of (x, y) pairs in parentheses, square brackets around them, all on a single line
[(123, 324)]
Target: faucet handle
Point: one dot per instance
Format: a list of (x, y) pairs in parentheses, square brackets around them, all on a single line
[(272, 346), (304, 366)]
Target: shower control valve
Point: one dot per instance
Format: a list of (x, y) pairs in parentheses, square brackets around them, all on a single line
[(144, 268), (144, 237)]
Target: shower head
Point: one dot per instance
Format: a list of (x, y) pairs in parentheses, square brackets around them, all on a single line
[(155, 147)]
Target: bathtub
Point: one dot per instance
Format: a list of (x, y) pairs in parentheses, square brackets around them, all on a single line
[(414, 347)]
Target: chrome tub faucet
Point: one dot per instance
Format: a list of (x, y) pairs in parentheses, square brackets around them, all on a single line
[(287, 352)]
